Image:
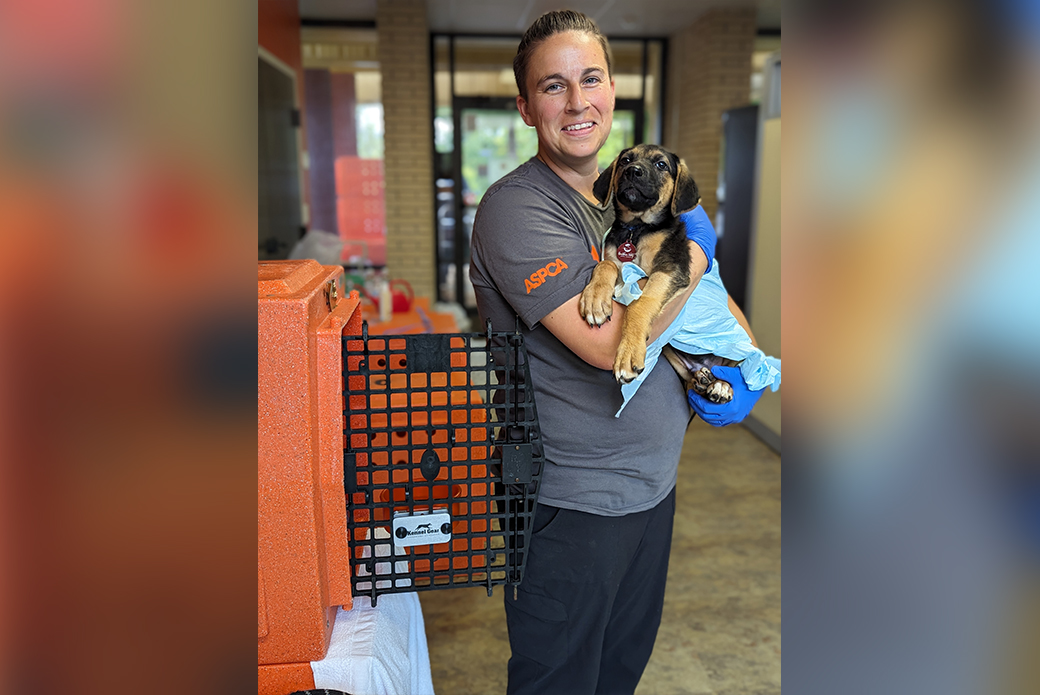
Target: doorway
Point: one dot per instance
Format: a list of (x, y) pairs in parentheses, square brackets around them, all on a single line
[(479, 135), (491, 140)]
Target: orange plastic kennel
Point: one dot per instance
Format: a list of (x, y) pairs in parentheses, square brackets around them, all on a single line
[(303, 567), (385, 463)]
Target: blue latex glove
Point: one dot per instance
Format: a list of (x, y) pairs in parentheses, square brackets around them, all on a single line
[(722, 414), (700, 230)]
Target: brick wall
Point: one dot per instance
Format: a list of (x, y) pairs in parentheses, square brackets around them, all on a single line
[(404, 60), (710, 71)]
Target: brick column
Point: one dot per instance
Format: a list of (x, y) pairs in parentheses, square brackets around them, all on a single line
[(404, 60), (710, 71)]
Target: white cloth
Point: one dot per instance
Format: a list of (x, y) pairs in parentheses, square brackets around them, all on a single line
[(704, 326), (377, 651), (324, 247)]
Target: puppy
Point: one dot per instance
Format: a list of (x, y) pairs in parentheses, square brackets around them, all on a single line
[(650, 187)]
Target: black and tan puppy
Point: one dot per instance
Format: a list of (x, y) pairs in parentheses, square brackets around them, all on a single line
[(650, 188)]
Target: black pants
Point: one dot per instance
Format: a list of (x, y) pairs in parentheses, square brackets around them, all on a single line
[(587, 612)]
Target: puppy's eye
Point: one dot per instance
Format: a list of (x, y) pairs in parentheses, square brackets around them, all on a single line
[(662, 165), (626, 159)]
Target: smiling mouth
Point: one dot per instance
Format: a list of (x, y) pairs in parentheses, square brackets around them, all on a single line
[(577, 127)]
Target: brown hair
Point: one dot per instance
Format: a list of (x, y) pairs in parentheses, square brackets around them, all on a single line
[(550, 24)]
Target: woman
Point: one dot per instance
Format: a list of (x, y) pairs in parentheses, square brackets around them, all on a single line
[(585, 617)]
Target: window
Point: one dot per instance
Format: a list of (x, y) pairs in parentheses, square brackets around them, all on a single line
[(344, 125)]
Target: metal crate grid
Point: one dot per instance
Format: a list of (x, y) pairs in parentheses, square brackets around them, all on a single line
[(439, 423)]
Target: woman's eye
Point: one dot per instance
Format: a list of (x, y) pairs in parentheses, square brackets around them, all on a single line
[(592, 80), (553, 87), (662, 165)]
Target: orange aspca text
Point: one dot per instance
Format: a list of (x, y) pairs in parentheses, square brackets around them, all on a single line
[(538, 277)]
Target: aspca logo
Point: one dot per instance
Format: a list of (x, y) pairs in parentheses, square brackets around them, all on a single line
[(551, 269)]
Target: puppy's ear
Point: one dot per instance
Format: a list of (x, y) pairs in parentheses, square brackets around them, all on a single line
[(685, 196), (604, 186)]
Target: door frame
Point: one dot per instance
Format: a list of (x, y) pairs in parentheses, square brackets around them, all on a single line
[(638, 106), (458, 105)]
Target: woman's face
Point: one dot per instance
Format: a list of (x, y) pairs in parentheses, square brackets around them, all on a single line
[(570, 98)]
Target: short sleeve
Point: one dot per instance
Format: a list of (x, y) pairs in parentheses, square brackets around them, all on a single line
[(532, 250)]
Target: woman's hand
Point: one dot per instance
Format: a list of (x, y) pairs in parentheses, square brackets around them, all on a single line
[(722, 414)]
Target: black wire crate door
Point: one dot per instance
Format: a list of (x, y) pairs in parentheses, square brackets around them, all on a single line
[(442, 460)]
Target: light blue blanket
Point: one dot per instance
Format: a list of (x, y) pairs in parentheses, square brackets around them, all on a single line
[(705, 326)]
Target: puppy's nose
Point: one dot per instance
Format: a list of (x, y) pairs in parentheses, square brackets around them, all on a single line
[(636, 171)]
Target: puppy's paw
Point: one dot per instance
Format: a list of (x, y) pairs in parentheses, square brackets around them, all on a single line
[(720, 392), (704, 378), (715, 390), (629, 361), (596, 304)]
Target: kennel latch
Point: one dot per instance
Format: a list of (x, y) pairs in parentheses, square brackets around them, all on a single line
[(516, 463)]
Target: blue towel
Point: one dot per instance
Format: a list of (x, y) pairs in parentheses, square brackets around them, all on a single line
[(704, 326)]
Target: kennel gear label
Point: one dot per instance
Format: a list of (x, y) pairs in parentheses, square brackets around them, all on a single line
[(421, 528)]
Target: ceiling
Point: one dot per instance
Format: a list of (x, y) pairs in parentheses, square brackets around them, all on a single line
[(615, 17)]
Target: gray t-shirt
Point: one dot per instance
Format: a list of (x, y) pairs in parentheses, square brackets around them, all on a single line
[(534, 240)]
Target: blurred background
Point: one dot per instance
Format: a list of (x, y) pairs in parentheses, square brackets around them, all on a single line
[(127, 209), (911, 487)]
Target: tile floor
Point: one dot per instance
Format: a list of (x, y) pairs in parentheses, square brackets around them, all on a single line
[(721, 629)]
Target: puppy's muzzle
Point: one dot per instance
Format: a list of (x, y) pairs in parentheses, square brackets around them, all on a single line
[(635, 189)]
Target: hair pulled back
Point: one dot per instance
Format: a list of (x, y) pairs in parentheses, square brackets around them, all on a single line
[(550, 24)]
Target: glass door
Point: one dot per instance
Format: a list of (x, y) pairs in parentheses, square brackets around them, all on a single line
[(491, 141), (494, 140), (479, 136)]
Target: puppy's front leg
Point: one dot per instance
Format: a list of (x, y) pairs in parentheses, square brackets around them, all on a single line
[(635, 331), (597, 299)]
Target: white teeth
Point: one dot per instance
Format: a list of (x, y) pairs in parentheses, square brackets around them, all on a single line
[(579, 126)]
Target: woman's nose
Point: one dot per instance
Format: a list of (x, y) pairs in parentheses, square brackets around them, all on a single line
[(578, 102)]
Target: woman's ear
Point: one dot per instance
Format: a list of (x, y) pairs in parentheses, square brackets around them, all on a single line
[(521, 106), (685, 196)]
